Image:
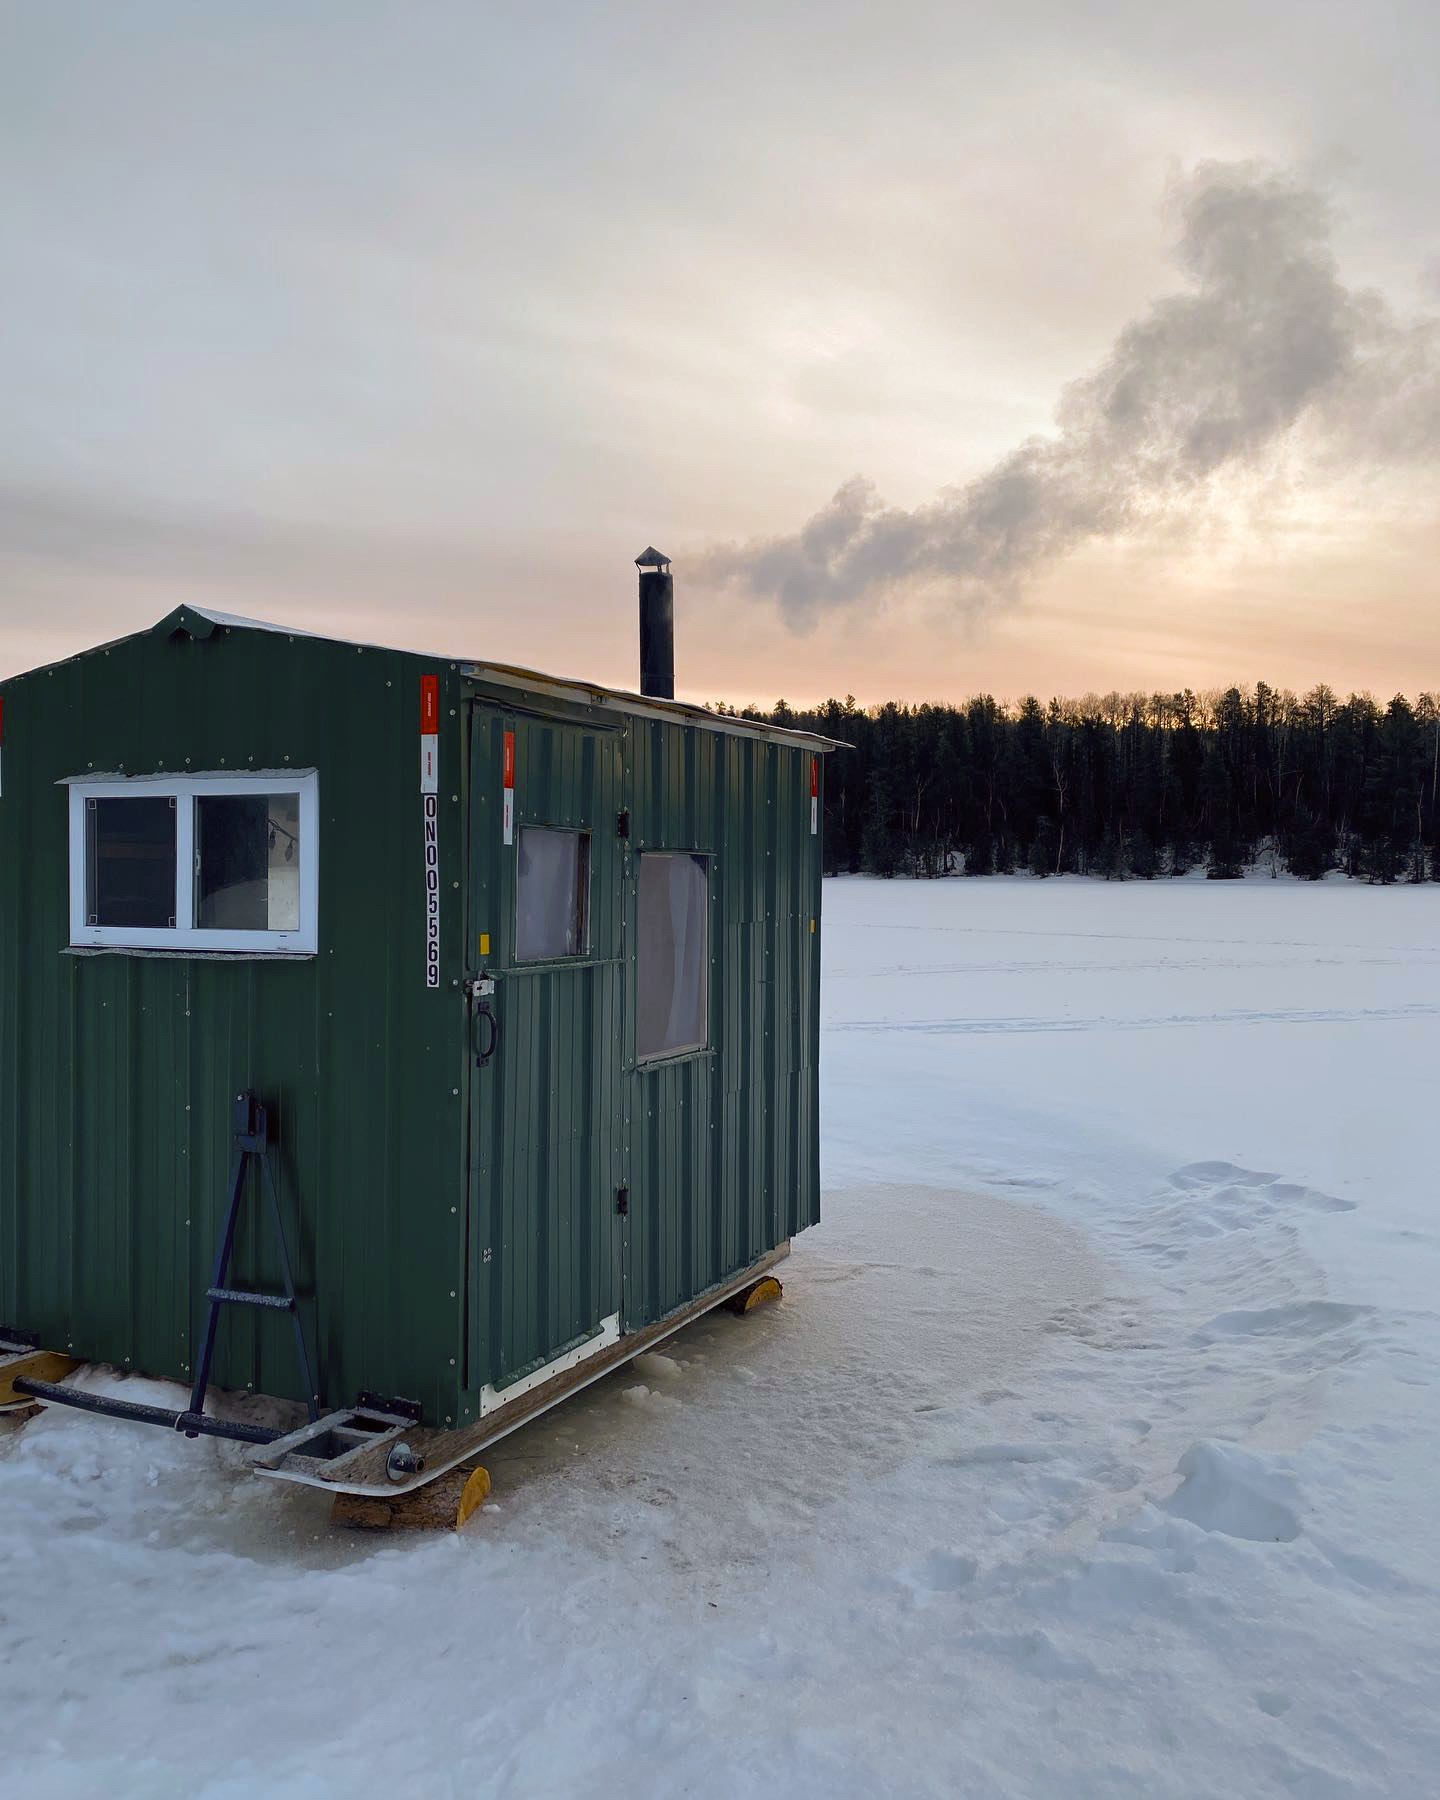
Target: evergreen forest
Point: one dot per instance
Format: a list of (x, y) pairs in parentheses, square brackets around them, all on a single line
[(1133, 785)]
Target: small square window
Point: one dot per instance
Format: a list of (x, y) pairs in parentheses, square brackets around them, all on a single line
[(552, 894), (672, 957)]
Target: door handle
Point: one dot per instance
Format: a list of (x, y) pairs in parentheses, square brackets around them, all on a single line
[(478, 989), (492, 1043)]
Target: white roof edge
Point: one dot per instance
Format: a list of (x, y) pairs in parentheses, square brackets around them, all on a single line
[(592, 693), (238, 619)]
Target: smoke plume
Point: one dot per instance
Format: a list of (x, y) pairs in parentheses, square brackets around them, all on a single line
[(1265, 349)]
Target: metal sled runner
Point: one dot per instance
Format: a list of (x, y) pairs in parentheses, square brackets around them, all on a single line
[(378, 1450)]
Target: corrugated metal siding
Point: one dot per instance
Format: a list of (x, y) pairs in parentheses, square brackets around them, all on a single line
[(722, 1152), (718, 1149), (546, 1113), (117, 1072)]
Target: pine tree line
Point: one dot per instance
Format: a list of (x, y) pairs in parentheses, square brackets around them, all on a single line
[(1133, 784)]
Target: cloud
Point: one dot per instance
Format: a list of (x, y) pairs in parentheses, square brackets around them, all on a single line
[(1264, 349)]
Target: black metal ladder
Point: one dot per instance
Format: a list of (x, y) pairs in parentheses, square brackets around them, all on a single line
[(252, 1141)]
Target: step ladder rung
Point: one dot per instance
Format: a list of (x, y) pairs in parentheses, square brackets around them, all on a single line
[(246, 1297)]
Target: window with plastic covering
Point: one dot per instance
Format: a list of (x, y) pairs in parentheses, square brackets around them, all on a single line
[(672, 954), (552, 894)]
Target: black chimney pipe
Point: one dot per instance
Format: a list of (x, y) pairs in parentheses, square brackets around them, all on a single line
[(657, 625)]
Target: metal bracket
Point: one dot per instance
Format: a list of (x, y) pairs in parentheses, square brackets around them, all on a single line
[(252, 1139), (325, 1447), (386, 1403)]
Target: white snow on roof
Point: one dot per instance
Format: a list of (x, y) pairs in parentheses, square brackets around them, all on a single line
[(238, 619)]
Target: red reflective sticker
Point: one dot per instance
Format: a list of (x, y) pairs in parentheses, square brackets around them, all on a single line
[(429, 705), (509, 778)]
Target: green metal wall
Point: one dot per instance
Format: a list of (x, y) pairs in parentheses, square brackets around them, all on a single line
[(546, 1111), (117, 1071), (451, 1225), (722, 1149), (718, 1149)]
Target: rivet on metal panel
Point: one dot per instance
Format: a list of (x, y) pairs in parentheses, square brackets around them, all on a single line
[(456, 1092)]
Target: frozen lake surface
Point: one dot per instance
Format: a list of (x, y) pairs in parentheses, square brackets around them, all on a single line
[(1091, 1453)]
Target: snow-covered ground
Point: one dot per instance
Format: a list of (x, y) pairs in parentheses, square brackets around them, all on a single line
[(1092, 1451)]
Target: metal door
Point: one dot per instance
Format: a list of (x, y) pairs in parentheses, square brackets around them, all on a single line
[(546, 994)]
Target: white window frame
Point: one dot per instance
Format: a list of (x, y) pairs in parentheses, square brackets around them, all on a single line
[(185, 934)]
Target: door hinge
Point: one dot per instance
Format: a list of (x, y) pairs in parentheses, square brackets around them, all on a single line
[(622, 1201), (622, 823)]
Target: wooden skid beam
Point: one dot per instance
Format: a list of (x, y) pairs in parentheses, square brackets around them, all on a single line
[(444, 1505), (39, 1365), (764, 1291)]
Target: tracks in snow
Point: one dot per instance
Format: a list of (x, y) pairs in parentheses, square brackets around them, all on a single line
[(1299, 1015)]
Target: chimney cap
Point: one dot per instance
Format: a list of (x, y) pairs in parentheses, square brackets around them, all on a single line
[(651, 558)]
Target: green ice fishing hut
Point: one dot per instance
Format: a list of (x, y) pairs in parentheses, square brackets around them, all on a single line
[(524, 971)]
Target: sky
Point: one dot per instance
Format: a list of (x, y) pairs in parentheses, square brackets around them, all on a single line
[(944, 348)]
